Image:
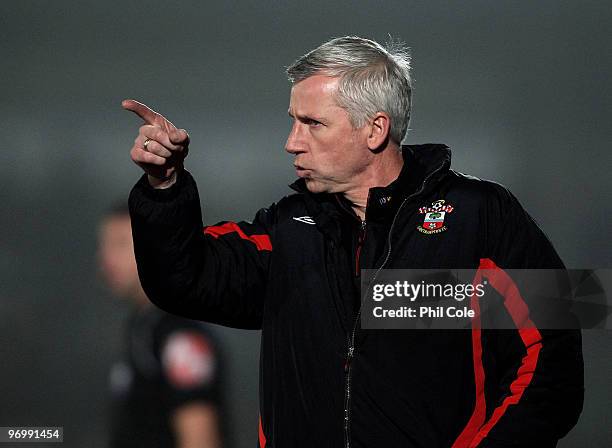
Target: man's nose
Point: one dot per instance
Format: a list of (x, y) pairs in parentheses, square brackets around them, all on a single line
[(295, 143)]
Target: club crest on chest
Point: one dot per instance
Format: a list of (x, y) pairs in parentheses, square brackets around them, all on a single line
[(433, 221)]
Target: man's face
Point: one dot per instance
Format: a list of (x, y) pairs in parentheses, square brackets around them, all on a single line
[(116, 256), (329, 154)]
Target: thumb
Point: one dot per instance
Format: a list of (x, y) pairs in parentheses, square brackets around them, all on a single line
[(179, 137)]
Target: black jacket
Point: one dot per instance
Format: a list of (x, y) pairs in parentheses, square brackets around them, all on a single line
[(324, 381)]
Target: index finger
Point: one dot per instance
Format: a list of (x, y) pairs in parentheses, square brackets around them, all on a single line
[(140, 109)]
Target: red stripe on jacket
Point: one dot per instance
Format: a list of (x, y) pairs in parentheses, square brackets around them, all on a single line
[(476, 429), (261, 241), (480, 408), (262, 436)]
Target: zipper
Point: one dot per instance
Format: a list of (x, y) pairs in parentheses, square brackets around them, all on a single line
[(347, 397), (351, 341), (360, 240), (351, 345)]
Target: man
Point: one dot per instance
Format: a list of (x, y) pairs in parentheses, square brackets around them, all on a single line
[(294, 272), (166, 390)]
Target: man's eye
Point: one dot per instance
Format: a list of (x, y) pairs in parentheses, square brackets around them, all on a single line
[(313, 123)]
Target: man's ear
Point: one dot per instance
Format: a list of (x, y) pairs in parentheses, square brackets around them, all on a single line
[(380, 126)]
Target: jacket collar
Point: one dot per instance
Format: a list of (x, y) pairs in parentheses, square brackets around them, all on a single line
[(419, 161), (424, 166)]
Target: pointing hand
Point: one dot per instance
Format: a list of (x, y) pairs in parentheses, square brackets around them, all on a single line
[(160, 147)]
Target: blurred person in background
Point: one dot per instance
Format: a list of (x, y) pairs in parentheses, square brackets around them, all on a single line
[(166, 389)]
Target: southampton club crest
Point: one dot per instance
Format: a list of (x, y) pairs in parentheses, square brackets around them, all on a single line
[(434, 217)]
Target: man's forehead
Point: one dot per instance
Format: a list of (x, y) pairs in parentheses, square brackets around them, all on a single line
[(314, 91), (315, 85)]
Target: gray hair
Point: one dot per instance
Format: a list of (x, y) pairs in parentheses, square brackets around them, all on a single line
[(372, 78)]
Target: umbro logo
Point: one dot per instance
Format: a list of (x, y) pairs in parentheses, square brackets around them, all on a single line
[(305, 219)]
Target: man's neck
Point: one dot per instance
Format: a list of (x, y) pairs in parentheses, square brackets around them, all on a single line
[(382, 172)]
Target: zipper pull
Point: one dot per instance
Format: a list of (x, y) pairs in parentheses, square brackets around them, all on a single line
[(349, 358)]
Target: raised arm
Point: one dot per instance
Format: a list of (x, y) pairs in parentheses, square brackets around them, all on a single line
[(218, 273)]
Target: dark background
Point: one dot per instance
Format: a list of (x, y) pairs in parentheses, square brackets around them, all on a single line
[(520, 90)]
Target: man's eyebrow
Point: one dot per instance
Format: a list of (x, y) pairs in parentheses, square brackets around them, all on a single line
[(304, 117)]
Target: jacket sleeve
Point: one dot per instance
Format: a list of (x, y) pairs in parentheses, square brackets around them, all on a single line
[(538, 371), (217, 273)]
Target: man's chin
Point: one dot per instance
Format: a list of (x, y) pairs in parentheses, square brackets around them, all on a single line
[(314, 186)]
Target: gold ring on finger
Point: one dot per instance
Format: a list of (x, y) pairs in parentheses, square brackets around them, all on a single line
[(146, 143)]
